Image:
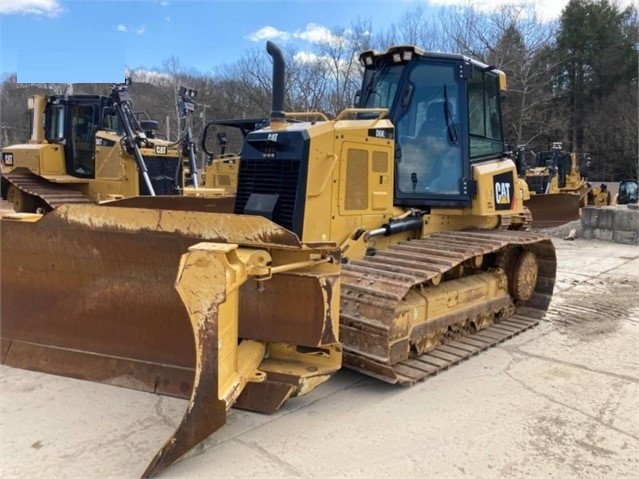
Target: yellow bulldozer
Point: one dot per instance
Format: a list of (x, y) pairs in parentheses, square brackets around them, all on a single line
[(557, 189), (92, 148), (373, 241)]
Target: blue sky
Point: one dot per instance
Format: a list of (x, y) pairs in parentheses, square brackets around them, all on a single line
[(53, 41)]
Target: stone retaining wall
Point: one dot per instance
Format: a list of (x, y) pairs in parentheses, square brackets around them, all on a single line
[(612, 223)]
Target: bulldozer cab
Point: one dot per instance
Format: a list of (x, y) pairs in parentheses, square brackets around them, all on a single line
[(72, 122), (628, 192), (447, 116), (557, 161)]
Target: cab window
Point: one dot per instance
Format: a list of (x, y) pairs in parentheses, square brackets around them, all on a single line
[(83, 139), (54, 123), (428, 133), (484, 118)]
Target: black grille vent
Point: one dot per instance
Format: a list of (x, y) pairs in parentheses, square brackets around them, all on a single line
[(162, 173), (279, 177)]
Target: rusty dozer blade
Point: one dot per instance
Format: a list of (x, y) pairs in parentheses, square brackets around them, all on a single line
[(90, 292), (209, 204), (553, 209)]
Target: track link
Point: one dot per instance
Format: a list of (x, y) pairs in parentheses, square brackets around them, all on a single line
[(375, 289), (53, 194), (505, 221)]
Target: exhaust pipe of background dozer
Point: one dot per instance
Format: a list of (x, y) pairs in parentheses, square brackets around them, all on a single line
[(279, 69)]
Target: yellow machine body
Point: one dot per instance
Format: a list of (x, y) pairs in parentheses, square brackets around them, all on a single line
[(222, 173)]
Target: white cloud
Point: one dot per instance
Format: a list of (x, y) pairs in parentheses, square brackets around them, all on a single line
[(306, 57), (268, 33), (326, 61), (546, 10), (142, 75), (123, 28), (315, 34), (164, 3), (50, 8)]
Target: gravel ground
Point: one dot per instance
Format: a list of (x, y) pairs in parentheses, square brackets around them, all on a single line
[(561, 231)]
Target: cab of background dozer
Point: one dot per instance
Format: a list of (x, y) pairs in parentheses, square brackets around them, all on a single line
[(81, 141), (549, 162), (628, 192), (430, 139)]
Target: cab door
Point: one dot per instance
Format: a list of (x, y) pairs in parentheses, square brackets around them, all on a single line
[(83, 126)]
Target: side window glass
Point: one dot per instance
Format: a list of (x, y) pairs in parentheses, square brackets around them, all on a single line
[(484, 120), (54, 123)]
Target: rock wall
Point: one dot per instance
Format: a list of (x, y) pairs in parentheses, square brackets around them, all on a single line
[(612, 223)]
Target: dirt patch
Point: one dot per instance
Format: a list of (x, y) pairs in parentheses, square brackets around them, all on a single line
[(600, 312)]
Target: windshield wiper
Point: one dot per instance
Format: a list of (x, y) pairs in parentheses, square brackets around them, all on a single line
[(450, 125)]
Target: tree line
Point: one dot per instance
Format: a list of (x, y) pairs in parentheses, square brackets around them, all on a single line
[(572, 80)]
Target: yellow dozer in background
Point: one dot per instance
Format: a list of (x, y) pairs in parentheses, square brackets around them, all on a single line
[(385, 240), (92, 148), (557, 189)]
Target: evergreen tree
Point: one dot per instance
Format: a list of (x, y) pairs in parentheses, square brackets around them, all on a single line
[(597, 43)]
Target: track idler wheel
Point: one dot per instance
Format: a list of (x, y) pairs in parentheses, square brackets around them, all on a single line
[(521, 270), (524, 277), (22, 202)]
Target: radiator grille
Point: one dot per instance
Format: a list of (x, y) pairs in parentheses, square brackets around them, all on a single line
[(162, 173), (356, 180), (270, 177)]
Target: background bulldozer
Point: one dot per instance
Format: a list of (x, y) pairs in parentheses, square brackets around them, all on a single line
[(92, 148), (374, 241), (557, 189)]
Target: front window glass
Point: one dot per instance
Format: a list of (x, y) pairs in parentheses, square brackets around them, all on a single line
[(380, 86), (428, 133), (628, 189), (484, 115), (111, 121)]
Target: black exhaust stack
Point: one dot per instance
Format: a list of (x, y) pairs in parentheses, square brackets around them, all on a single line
[(277, 106)]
